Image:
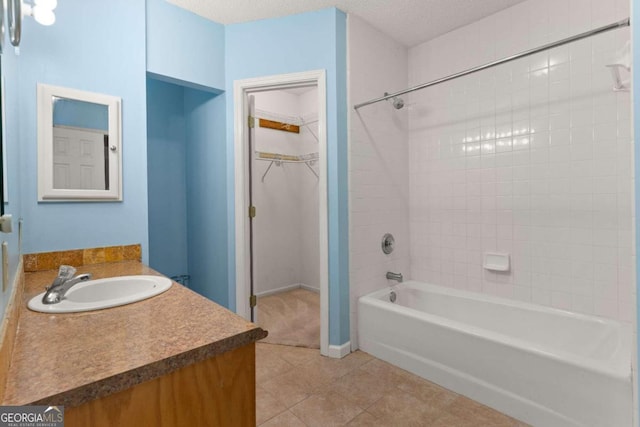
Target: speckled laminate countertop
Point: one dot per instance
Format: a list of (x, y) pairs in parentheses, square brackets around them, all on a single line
[(69, 359)]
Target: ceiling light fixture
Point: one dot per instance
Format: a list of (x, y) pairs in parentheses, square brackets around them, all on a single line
[(41, 11)]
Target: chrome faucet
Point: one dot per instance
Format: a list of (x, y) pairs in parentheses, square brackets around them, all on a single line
[(394, 276), (65, 280)]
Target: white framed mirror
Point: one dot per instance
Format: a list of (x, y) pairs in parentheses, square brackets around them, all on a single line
[(79, 145)]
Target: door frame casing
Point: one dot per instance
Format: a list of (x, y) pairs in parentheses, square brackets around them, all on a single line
[(242, 88)]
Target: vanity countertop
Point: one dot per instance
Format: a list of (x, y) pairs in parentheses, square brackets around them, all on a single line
[(69, 359)]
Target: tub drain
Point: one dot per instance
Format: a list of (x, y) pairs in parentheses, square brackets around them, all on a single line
[(392, 296)]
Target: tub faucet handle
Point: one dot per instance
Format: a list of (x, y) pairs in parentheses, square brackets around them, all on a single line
[(394, 276)]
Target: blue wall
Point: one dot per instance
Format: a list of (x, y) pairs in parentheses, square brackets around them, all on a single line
[(98, 47), (187, 184), (206, 190), (187, 49), (309, 41), (166, 171), (184, 47), (191, 55)]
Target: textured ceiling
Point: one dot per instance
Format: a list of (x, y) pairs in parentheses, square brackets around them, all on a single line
[(408, 21)]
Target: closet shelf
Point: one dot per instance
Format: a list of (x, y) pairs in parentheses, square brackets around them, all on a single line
[(277, 158), (286, 158), (288, 120)]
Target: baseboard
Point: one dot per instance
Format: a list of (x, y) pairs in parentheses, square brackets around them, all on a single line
[(339, 351), (309, 288), (278, 290), (287, 288)]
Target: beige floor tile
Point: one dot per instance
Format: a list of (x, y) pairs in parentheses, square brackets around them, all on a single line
[(358, 358), (314, 377), (298, 356), (269, 364), (323, 391), (392, 421), (285, 419), (386, 372), (292, 387), (428, 392), (449, 420), (335, 368), (328, 409), (365, 419), (360, 387), (267, 406), (262, 346), (471, 410), (325, 370), (403, 407)]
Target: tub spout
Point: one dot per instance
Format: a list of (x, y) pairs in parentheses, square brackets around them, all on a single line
[(394, 276)]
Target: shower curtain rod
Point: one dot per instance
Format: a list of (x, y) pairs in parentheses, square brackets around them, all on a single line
[(615, 25)]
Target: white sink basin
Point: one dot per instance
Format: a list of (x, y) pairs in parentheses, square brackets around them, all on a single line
[(104, 293)]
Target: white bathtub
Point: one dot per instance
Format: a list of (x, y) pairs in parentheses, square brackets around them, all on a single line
[(543, 366)]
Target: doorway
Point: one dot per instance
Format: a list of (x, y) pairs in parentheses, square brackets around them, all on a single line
[(281, 206), (284, 190)]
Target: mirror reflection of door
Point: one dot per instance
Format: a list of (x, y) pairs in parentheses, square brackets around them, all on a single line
[(79, 159), (80, 145)]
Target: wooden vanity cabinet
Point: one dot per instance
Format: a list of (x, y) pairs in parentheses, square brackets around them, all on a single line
[(219, 391)]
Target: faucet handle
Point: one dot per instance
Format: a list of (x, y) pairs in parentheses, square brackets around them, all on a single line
[(65, 272)]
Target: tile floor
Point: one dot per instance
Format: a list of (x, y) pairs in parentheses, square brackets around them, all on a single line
[(297, 387)]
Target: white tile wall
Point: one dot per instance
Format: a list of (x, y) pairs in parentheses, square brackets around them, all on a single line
[(533, 158), (378, 161)]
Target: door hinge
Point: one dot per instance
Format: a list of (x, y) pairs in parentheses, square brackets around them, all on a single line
[(253, 301), (252, 211), (251, 122)]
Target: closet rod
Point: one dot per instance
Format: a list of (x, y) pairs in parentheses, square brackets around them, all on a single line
[(615, 25)]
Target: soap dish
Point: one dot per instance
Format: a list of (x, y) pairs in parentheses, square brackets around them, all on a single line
[(496, 261)]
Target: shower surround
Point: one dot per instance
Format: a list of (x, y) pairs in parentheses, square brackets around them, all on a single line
[(532, 158), (378, 162)]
